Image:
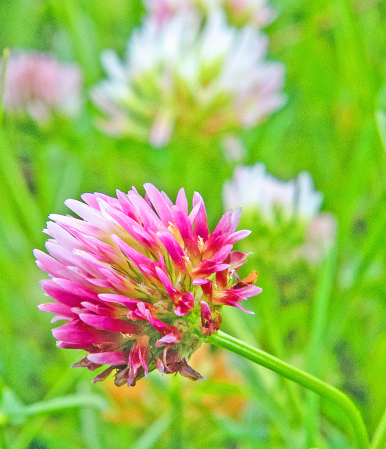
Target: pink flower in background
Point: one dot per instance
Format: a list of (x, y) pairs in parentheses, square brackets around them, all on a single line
[(140, 281), (39, 85), (240, 12), (207, 79)]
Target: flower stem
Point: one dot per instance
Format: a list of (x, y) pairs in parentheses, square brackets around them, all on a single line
[(302, 378), (379, 438)]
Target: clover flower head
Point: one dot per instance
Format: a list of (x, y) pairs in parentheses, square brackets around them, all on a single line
[(239, 12), (141, 281), (38, 85), (208, 79), (254, 188)]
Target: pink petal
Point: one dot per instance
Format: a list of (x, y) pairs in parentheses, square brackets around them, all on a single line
[(160, 205), (109, 358), (109, 324)]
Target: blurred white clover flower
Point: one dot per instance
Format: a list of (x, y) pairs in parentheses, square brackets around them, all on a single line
[(38, 85), (253, 188), (209, 79), (257, 13)]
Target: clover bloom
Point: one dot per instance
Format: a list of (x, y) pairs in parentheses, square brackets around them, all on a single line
[(240, 12), (184, 76), (254, 188), (39, 86), (141, 281), (278, 202)]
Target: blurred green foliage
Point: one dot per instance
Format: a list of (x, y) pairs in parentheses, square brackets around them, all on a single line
[(335, 55)]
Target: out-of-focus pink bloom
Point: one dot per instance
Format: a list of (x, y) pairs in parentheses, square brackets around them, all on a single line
[(253, 188), (240, 12), (233, 148), (141, 281), (207, 79), (320, 237), (38, 85)]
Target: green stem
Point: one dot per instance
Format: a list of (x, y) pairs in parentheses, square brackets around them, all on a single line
[(302, 378), (2, 82), (318, 326), (3, 441), (379, 438)]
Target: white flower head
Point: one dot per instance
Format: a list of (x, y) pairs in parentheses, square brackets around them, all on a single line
[(208, 78), (253, 188)]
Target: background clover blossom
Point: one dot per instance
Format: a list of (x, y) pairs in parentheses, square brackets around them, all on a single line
[(39, 85), (183, 75), (254, 188), (240, 12), (280, 203), (140, 281)]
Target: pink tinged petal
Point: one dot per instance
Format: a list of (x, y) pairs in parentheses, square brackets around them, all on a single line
[(161, 261), (120, 299), (100, 309), (174, 249), (224, 225), (194, 212), (222, 278), (237, 259), (143, 346), (66, 345), (127, 206), (79, 290), (98, 248), (206, 286), (185, 227), (48, 263), (148, 217), (164, 278), (91, 260), (86, 212), (185, 304), (169, 202), (168, 339), (201, 220), (160, 205), (246, 292), (92, 199), (209, 325), (71, 223), (223, 254), (62, 236), (60, 294), (109, 358), (208, 267), (160, 366), (109, 324), (61, 309), (136, 231), (206, 313), (77, 332), (236, 215), (239, 235), (67, 257), (116, 280), (182, 201), (136, 257)]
